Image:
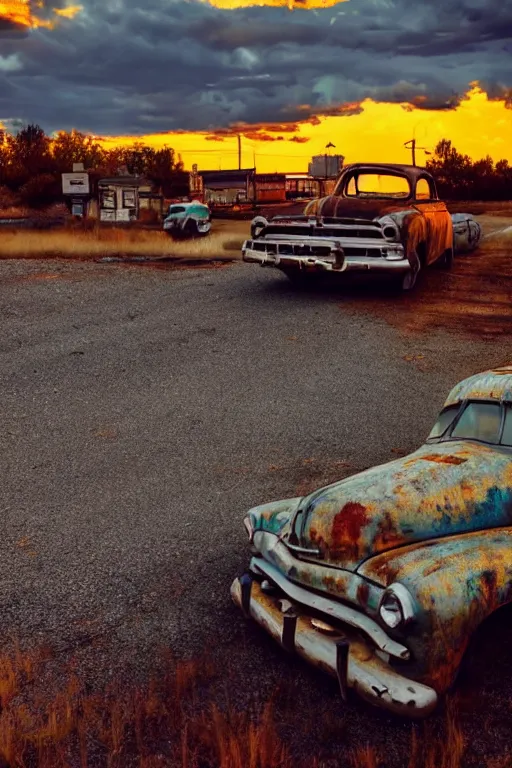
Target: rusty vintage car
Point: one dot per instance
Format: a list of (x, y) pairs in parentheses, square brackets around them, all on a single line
[(381, 219), (381, 579)]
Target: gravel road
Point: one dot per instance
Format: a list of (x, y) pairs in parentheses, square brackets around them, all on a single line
[(144, 410)]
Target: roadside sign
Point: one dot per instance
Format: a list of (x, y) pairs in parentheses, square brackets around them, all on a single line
[(75, 183)]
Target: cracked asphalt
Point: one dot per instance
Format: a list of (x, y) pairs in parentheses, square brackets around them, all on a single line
[(144, 410)]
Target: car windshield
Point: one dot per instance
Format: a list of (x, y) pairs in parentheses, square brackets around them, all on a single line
[(506, 438), (479, 421), (378, 185), (445, 419)]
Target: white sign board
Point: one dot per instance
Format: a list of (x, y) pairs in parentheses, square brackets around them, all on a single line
[(106, 215), (123, 214), (75, 183)]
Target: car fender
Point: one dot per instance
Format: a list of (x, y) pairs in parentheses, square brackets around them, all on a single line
[(467, 233), (456, 583)]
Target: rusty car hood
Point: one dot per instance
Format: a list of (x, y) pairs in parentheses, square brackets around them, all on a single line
[(358, 209), (440, 490)]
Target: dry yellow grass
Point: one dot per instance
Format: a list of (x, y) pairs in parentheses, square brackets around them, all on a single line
[(225, 240), (101, 243), (172, 721)]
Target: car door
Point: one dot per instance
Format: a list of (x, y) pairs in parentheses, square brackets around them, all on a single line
[(438, 222)]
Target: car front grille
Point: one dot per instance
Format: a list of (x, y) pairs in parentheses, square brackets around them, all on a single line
[(312, 250), (291, 249)]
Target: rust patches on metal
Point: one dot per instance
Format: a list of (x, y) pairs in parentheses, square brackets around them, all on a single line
[(347, 525), (436, 566), (329, 582), (440, 459), (363, 592), (387, 534)]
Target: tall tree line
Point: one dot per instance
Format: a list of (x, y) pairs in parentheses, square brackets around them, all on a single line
[(31, 164), (460, 178)]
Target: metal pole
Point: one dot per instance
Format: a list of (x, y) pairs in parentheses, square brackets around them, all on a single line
[(412, 145), (239, 152)]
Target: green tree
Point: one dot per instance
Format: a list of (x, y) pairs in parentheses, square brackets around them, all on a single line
[(41, 190), (30, 150), (75, 147)]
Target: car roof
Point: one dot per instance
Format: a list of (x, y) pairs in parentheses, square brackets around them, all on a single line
[(495, 384), (408, 170), (189, 204)]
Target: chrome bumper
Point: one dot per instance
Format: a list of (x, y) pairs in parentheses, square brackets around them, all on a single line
[(315, 264), (339, 652)]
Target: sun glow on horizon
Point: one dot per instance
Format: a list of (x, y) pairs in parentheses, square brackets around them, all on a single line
[(306, 5), (479, 126)]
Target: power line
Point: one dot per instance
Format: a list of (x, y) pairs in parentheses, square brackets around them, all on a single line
[(231, 152)]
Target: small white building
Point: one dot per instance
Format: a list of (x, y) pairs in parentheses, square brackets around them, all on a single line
[(122, 198)]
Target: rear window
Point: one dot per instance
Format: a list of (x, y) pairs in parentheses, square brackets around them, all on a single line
[(445, 419), (479, 421), (176, 209)]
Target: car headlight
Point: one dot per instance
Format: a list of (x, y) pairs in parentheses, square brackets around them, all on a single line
[(396, 607), (391, 232)]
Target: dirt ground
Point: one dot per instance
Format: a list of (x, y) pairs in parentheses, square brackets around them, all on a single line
[(294, 719), (474, 298)]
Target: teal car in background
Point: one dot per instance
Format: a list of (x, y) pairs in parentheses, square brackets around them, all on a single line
[(188, 220)]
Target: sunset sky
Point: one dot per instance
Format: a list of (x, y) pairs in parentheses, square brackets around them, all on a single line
[(366, 75)]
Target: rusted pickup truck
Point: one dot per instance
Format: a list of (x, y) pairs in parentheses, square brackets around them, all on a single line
[(382, 578), (380, 219)]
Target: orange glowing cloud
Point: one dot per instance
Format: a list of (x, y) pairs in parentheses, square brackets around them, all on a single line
[(479, 125), (19, 13), (228, 5), (69, 12)]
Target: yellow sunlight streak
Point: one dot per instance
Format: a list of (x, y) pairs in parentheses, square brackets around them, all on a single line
[(228, 5), (70, 12), (477, 127)]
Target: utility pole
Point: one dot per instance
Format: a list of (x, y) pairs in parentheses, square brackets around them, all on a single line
[(239, 152), (327, 146), (411, 144)]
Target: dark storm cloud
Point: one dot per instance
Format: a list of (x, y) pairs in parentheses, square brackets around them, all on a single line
[(123, 66)]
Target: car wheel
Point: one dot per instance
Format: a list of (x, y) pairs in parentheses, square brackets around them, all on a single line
[(407, 281), (446, 260), (190, 229)]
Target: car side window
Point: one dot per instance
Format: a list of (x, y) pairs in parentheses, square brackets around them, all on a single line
[(352, 187), (506, 438), (445, 418), (479, 421), (423, 190)]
